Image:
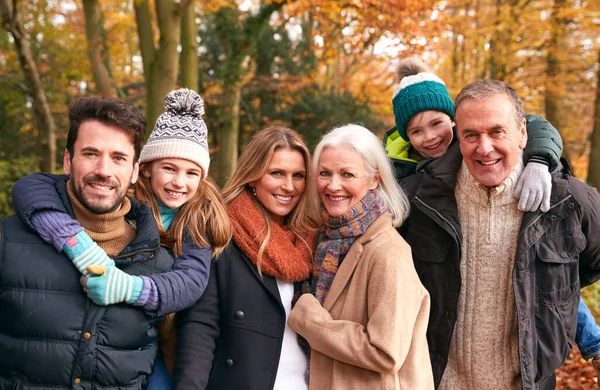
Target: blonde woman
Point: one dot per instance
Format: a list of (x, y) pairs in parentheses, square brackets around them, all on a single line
[(236, 336)]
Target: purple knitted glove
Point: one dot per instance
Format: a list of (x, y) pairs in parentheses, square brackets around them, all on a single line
[(55, 227)]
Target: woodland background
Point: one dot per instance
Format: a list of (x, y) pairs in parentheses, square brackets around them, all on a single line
[(307, 64)]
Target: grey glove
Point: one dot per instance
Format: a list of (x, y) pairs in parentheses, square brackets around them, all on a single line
[(534, 187)]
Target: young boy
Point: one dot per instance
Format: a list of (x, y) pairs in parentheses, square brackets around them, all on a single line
[(424, 129)]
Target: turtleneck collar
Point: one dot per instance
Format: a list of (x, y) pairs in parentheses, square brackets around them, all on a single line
[(502, 192), (110, 230), (167, 214)]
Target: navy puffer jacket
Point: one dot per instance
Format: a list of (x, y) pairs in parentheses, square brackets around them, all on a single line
[(51, 335)]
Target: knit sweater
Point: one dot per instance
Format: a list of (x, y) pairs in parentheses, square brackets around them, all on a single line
[(110, 231), (484, 348)]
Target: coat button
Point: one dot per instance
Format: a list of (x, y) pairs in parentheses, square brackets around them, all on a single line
[(87, 335), (571, 205), (77, 381), (520, 266), (128, 259), (151, 255), (229, 362), (553, 218), (446, 314), (239, 315)]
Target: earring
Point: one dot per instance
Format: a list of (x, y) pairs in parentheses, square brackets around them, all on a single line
[(253, 191)]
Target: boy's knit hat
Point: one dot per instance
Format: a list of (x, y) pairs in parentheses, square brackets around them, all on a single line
[(417, 93), (180, 132)]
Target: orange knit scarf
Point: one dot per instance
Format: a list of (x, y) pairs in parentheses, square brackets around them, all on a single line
[(287, 256)]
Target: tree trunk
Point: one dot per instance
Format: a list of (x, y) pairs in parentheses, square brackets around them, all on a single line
[(41, 110), (146, 36), (189, 50), (162, 63), (594, 166), (228, 134), (97, 49), (552, 106)]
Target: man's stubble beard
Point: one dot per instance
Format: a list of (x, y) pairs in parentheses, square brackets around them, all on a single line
[(93, 209)]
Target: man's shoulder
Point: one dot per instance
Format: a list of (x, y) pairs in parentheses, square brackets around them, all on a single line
[(587, 195), (12, 227)]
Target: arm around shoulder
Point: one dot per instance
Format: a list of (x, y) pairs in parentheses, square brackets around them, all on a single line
[(544, 142), (181, 287), (37, 192)]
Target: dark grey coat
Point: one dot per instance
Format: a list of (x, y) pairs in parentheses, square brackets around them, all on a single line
[(558, 252)]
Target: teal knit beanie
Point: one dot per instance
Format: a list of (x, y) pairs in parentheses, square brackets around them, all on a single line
[(418, 93)]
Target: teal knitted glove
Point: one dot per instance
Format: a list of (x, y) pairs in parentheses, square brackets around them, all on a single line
[(109, 285), (83, 251)]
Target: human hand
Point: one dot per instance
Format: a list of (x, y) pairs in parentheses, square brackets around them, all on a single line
[(304, 289), (534, 187), (83, 251), (108, 285)]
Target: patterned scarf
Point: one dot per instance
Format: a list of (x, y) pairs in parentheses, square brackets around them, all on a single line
[(337, 238), (287, 256)]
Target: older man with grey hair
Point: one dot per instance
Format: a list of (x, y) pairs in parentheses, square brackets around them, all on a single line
[(504, 284)]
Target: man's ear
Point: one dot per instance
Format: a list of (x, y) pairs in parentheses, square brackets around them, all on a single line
[(67, 162), (523, 134), (136, 172)]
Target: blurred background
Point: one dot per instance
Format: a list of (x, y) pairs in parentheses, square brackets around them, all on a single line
[(306, 64)]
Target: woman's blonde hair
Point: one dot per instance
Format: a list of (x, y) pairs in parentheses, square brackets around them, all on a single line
[(202, 217), (254, 163), (370, 148)]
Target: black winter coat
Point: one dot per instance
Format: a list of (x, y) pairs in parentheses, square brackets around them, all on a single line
[(557, 253), (231, 338), (51, 335)]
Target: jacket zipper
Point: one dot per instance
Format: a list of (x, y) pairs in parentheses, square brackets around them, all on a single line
[(458, 238), (136, 252), (540, 216)]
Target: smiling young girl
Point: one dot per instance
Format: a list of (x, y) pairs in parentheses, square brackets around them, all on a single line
[(186, 205)]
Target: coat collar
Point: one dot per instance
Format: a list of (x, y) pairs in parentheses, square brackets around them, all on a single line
[(346, 270)]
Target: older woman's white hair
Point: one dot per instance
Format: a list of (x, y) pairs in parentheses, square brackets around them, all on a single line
[(375, 159)]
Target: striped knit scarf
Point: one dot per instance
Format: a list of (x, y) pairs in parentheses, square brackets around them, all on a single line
[(337, 238)]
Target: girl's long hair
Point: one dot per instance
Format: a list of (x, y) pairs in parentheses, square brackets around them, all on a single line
[(204, 217), (253, 164)]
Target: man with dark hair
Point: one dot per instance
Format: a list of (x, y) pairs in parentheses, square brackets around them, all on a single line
[(51, 334), (504, 284)]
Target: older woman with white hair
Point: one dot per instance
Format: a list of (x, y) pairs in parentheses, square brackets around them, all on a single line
[(367, 317)]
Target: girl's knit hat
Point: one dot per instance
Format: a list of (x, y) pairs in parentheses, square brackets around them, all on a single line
[(418, 92), (180, 132)]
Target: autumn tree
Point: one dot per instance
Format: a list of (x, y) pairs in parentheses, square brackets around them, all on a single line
[(594, 164), (97, 49), (35, 88)]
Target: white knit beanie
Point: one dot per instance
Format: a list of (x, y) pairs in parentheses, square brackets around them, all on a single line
[(180, 132)]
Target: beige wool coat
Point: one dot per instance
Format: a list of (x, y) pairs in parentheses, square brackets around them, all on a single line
[(370, 331)]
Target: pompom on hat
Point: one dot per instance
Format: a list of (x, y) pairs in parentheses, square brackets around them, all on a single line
[(417, 93), (180, 132)]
